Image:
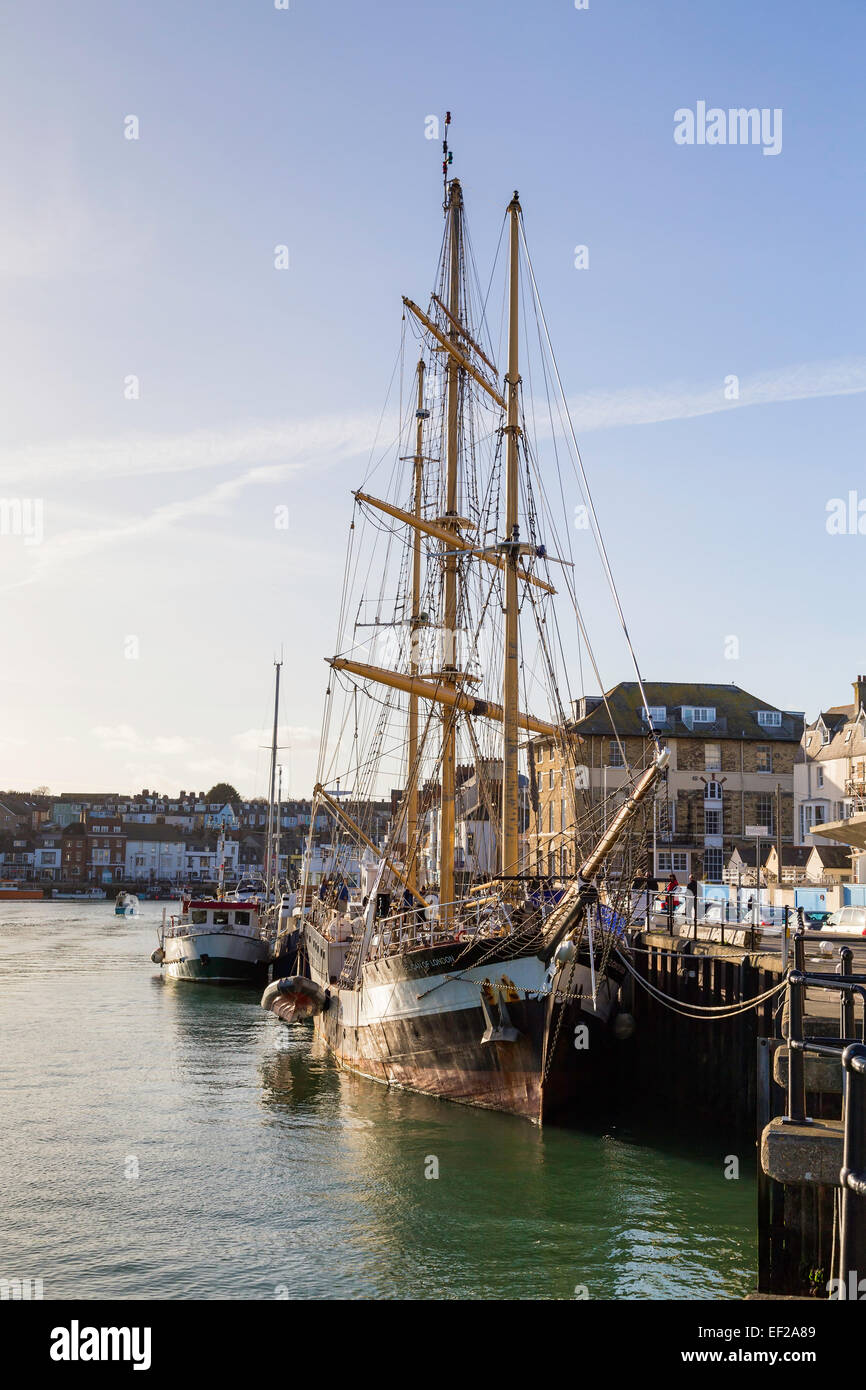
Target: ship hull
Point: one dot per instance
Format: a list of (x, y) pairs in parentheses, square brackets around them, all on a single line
[(537, 1050), (216, 958)]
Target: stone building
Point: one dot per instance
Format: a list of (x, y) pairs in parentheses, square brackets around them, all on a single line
[(729, 753)]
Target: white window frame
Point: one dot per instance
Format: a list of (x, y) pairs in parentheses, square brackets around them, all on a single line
[(770, 718), (701, 714), (657, 713), (713, 817)]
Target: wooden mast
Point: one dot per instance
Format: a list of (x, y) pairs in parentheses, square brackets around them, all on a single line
[(448, 778), (510, 833), (412, 751)]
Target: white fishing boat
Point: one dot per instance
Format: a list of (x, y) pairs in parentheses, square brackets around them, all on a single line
[(126, 904), (215, 941)]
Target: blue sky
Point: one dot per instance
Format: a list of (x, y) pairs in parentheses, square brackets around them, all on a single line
[(262, 388)]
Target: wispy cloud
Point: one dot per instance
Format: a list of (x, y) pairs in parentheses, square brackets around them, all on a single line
[(294, 737), (268, 454), (598, 410), (289, 443), (307, 443)]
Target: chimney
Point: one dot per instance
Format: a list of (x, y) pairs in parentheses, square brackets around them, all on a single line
[(859, 694)]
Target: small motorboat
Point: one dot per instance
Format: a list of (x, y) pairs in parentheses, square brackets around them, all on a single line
[(126, 905)]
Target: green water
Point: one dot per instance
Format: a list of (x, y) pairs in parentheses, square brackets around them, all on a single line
[(169, 1140)]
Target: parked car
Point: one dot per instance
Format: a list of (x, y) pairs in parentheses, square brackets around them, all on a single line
[(848, 921), (814, 919)]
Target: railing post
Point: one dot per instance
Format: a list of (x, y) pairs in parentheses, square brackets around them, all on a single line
[(796, 1059), (785, 938), (851, 1178), (846, 997)]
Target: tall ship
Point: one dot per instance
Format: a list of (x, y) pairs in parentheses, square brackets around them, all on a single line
[(480, 957)]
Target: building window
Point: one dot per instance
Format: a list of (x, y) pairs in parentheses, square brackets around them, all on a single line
[(713, 791), (763, 758), (676, 862), (765, 814), (550, 817), (712, 757), (699, 714), (713, 864), (657, 713), (615, 758), (666, 823), (809, 816), (712, 822), (770, 718), (819, 774)]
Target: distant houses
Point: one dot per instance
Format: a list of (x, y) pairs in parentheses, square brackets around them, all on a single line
[(108, 838)]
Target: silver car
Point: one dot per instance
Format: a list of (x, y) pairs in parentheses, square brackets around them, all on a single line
[(847, 921)]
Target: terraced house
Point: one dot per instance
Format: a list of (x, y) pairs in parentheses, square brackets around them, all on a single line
[(731, 765), (830, 780)]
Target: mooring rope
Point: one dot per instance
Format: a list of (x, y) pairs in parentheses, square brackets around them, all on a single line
[(708, 1013)]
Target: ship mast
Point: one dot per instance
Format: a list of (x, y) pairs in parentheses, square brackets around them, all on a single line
[(449, 616), (279, 818), (510, 834), (412, 751), (269, 841)]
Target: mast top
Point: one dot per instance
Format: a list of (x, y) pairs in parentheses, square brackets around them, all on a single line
[(515, 202), (447, 158)]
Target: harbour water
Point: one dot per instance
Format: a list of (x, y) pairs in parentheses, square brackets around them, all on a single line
[(172, 1141)]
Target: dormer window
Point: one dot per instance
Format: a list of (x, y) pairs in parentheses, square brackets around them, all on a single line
[(699, 714), (770, 718), (657, 713)]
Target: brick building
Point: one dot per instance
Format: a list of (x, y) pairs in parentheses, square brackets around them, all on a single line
[(94, 849)]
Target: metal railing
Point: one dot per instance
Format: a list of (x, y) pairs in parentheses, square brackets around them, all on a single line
[(851, 1052), (410, 929)]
